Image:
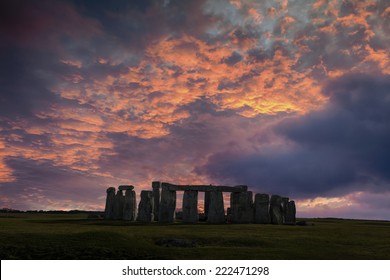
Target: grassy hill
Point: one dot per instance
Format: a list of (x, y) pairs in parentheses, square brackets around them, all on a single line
[(73, 236)]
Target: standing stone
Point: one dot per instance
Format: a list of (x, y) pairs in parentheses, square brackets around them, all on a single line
[(228, 215), (110, 201), (119, 205), (145, 208), (262, 209), (190, 207), (156, 196), (290, 213), (284, 208), (275, 210), (206, 204), (130, 206), (216, 211), (241, 204), (167, 206)]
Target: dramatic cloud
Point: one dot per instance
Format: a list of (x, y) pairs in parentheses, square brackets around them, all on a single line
[(42, 185), (284, 96), (344, 146)]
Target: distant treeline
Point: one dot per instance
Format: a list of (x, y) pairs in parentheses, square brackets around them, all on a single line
[(9, 210)]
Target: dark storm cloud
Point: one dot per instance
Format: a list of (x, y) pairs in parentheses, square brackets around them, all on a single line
[(31, 53), (234, 58), (172, 157), (97, 71), (342, 146), (24, 89), (27, 77), (19, 138), (258, 55), (41, 182), (98, 93), (347, 37), (41, 24), (226, 85), (134, 24)]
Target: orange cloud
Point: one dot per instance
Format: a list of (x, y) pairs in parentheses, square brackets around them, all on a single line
[(176, 71)]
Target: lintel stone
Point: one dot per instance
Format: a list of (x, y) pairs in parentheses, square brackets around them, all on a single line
[(204, 188), (125, 188)]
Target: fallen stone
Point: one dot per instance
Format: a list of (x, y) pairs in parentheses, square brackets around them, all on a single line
[(173, 242), (304, 223), (94, 217)]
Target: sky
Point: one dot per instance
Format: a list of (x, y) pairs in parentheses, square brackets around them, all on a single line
[(288, 97)]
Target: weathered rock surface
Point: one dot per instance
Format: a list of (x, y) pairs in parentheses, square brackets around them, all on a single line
[(284, 208), (130, 206), (125, 187), (262, 215), (167, 206), (241, 207), (216, 211), (160, 205), (119, 205), (156, 186), (145, 208), (276, 210), (110, 201), (290, 218), (206, 204), (190, 207)]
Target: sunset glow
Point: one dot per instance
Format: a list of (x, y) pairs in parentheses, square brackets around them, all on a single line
[(287, 97)]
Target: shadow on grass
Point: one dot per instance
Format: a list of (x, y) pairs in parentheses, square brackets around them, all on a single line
[(86, 245), (76, 237), (124, 223)]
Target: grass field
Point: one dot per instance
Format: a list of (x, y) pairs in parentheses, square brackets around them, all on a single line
[(73, 236)]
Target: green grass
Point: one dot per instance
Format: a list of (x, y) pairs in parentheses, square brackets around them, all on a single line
[(73, 236)]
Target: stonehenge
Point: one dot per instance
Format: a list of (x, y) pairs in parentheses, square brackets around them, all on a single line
[(241, 207), (110, 201), (119, 203), (146, 207), (159, 205), (190, 207), (130, 206), (206, 204), (275, 210), (216, 211), (166, 213), (156, 197), (262, 215), (290, 214)]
